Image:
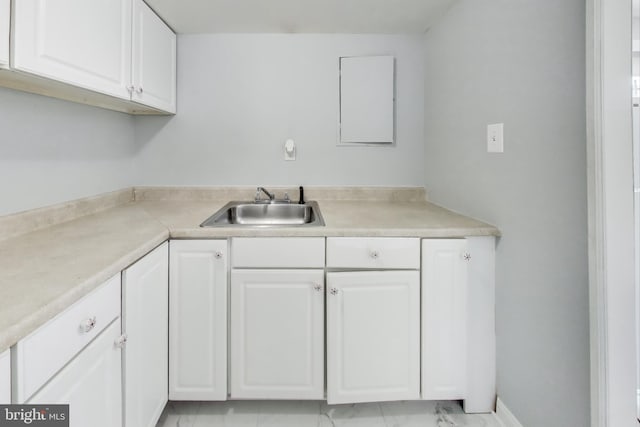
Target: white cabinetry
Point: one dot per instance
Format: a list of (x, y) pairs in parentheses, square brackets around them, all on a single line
[(154, 60), (45, 351), (481, 335), (5, 378), (458, 315), (90, 384), (277, 334), (145, 317), (115, 54), (198, 320), (373, 320), (86, 44), (373, 336), (444, 318), (5, 27), (277, 318)]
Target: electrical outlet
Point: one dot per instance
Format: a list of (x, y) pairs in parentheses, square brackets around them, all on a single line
[(495, 138)]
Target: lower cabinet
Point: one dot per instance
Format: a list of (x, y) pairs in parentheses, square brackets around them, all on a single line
[(90, 383), (444, 317), (5, 29), (277, 334), (373, 336), (5, 378), (198, 320), (145, 317)]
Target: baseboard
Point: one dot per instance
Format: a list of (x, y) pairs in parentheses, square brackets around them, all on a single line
[(505, 416)]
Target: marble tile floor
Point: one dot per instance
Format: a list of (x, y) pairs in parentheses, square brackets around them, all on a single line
[(319, 414)]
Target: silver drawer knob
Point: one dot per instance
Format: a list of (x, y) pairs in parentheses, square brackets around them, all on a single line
[(88, 324), (139, 90), (374, 254), (121, 341), (466, 256), (317, 287), (218, 255), (334, 291)]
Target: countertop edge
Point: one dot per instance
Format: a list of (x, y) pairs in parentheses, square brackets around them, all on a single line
[(34, 320)]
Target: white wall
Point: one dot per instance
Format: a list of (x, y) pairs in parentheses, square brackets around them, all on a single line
[(521, 63), (52, 151), (241, 96)]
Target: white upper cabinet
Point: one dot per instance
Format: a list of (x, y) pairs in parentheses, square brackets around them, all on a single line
[(83, 43), (154, 60), (5, 378), (145, 316), (198, 320), (5, 19), (114, 54)]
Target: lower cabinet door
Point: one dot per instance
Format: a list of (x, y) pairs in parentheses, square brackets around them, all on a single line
[(145, 321), (373, 336), (5, 378), (90, 384), (444, 319), (198, 320), (277, 334)]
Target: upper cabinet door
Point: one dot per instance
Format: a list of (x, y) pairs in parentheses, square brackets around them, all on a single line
[(154, 60), (5, 13), (84, 43)]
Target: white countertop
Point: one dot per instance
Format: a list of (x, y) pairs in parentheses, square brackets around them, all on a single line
[(45, 271)]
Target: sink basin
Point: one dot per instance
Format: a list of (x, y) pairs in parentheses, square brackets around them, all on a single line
[(250, 214)]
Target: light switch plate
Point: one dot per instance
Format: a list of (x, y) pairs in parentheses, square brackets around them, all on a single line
[(289, 150), (495, 138)]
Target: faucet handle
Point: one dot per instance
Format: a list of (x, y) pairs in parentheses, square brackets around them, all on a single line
[(287, 198)]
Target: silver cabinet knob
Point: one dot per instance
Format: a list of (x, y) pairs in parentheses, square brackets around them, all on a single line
[(317, 287), (466, 256), (121, 341), (139, 90), (374, 254), (88, 324), (130, 89), (334, 291), (218, 255)]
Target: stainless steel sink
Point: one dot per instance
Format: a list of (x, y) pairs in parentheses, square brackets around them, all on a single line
[(276, 214)]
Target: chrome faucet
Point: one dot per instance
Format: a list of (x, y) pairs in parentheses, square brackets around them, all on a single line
[(263, 190)]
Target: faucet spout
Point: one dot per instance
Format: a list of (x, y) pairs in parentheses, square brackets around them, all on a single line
[(264, 190)]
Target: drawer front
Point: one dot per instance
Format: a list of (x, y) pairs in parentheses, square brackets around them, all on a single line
[(376, 252), (40, 355), (277, 252)]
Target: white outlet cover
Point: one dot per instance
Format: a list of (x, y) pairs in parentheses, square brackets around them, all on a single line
[(495, 138)]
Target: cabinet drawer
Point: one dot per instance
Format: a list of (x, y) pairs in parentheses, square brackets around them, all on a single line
[(40, 355), (265, 252), (377, 252)]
